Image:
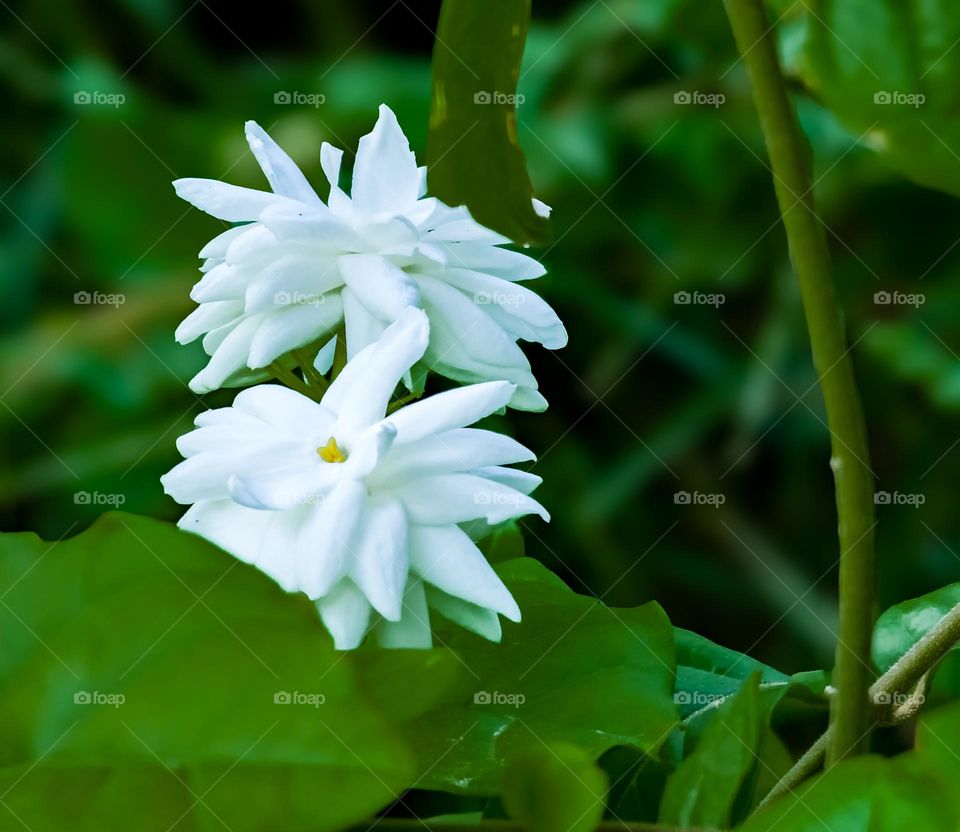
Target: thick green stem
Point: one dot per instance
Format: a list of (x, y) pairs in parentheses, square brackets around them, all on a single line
[(897, 682), (849, 460)]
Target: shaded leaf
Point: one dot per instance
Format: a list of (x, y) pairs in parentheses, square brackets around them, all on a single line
[(904, 624)]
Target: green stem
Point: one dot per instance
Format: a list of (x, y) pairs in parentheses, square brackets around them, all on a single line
[(898, 680), (314, 379), (290, 379), (849, 453)]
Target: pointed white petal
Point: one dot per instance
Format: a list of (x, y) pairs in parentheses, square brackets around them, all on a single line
[(291, 327), (483, 622), (217, 247), (368, 449), (447, 558), (230, 355), (442, 499), (413, 628), (207, 316), (451, 409), (381, 564), (362, 328), (462, 449), (385, 175), (346, 614), (235, 529), (522, 481), (225, 202), (281, 171), (285, 409), (284, 486), (499, 262), (328, 539), (383, 288), (324, 360)]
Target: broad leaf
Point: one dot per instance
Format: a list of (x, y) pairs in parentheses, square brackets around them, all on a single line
[(149, 680), (573, 671), (474, 156), (704, 790), (553, 787), (887, 69), (904, 624)]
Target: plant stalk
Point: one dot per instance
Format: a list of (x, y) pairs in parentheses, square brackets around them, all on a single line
[(898, 680), (849, 459)]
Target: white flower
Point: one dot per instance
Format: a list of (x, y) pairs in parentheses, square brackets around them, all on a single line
[(361, 512), (299, 267)]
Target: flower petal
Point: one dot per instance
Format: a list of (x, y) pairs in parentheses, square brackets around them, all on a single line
[(362, 328), (207, 316), (291, 327), (228, 357), (281, 171), (328, 539), (381, 564), (442, 499), (463, 449), (483, 622), (450, 409), (413, 628), (383, 288), (285, 409), (225, 202), (385, 175), (447, 558), (345, 612), (283, 487)]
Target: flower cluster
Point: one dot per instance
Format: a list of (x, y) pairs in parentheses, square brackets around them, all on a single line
[(366, 503)]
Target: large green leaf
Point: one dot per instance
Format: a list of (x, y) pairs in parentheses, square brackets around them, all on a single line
[(573, 671), (904, 624), (150, 681), (888, 69), (554, 787), (474, 156), (702, 792)]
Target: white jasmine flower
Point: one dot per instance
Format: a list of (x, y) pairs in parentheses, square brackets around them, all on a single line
[(362, 511), (299, 267)]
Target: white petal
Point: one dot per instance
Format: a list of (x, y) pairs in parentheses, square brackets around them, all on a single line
[(226, 202), (324, 360), (291, 327), (368, 449), (284, 486), (328, 539), (330, 160), (285, 409), (385, 175), (462, 449), (483, 622), (362, 328), (205, 475), (295, 280), (442, 499), (366, 389), (522, 481), (229, 356), (522, 313), (314, 225), (281, 171), (223, 282), (451, 409), (499, 262), (217, 247), (383, 288), (275, 555), (413, 628), (454, 225), (346, 614), (447, 558), (541, 209), (207, 316), (237, 530), (381, 564)]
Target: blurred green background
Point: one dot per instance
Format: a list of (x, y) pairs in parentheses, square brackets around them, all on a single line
[(650, 197)]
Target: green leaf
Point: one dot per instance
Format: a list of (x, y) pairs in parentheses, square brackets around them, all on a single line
[(703, 791), (888, 69), (554, 786), (904, 624), (866, 794), (148, 679), (573, 671), (473, 153)]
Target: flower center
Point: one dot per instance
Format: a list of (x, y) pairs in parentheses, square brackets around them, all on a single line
[(331, 452)]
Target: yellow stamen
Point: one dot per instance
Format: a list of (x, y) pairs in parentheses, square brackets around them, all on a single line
[(331, 452)]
